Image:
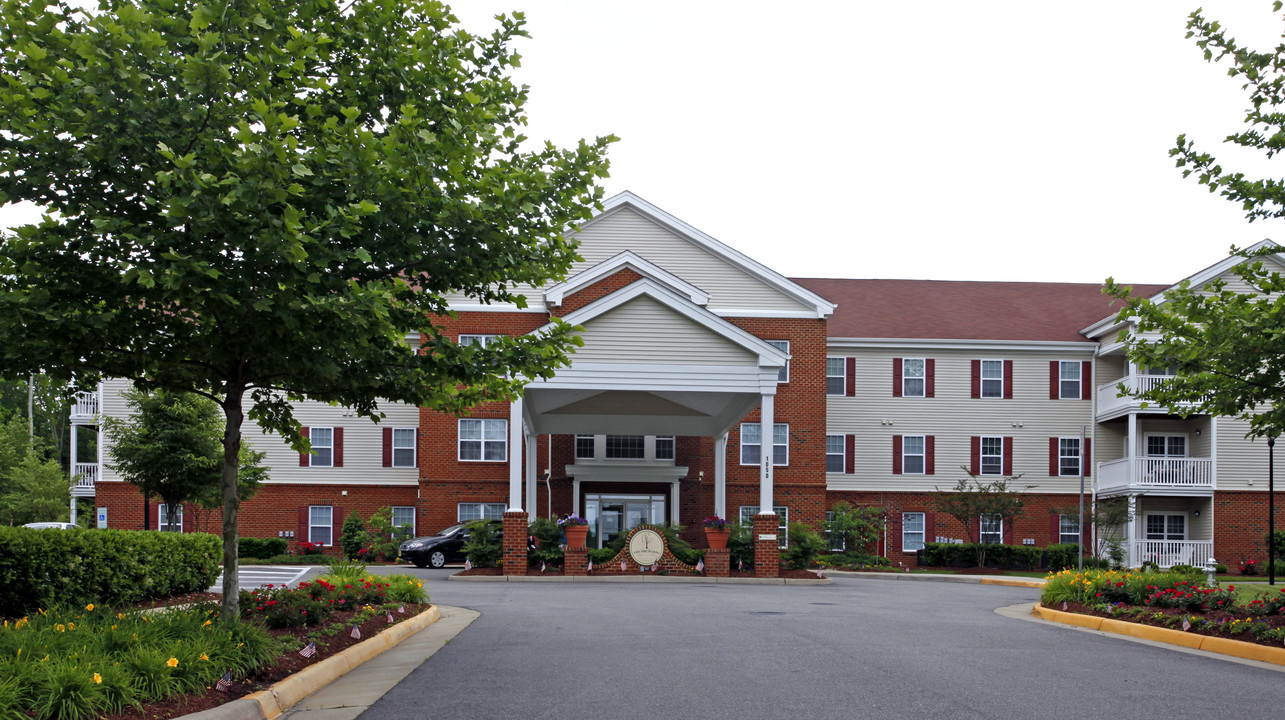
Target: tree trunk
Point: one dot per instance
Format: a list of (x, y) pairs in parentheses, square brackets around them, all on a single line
[(234, 416)]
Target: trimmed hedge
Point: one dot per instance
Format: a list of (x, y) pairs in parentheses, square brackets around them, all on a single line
[(1006, 557), (260, 548), (43, 568)]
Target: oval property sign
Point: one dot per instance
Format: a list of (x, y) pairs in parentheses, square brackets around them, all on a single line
[(646, 546)]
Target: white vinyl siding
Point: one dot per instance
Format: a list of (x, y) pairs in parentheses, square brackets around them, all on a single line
[(752, 444), (638, 327)]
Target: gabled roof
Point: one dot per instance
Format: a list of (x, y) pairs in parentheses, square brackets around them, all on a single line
[(957, 310), (555, 294), (761, 272)]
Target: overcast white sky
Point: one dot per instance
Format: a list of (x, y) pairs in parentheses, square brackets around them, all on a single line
[(930, 140)]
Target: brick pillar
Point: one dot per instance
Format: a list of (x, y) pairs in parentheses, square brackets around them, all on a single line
[(576, 561), (718, 563), (515, 527), (767, 553)]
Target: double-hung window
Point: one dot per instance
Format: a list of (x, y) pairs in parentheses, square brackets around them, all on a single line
[(752, 443), (323, 446), (1069, 378), (783, 521), (912, 455), (480, 511), (167, 521), (321, 524), (1068, 456), (403, 447), (585, 447), (1174, 446), (836, 542), (1068, 529), (835, 376), (913, 376), (912, 531), (784, 346), (992, 378), (992, 529), (403, 521), (992, 455), (834, 453), (664, 447), (478, 340), (482, 440)]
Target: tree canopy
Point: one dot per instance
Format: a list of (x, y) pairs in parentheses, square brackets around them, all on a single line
[(972, 500), (261, 201)]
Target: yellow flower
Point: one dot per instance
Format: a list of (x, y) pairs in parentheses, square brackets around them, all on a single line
[(172, 662), (71, 626), (205, 624), (19, 651), (98, 679), (113, 627), (90, 607), (204, 656), (60, 627), (120, 616), (43, 659)]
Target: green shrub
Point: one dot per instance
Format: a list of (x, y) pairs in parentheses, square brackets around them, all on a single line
[(806, 545), (852, 560), (965, 555), (601, 556), (1061, 556), (740, 545), (403, 588), (260, 548), (678, 547), (382, 539), (353, 537), (548, 546), (484, 547), (39, 568), (1278, 544)]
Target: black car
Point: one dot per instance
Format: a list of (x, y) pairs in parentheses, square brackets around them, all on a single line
[(445, 547)]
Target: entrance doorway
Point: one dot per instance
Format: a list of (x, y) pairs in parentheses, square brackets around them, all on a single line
[(611, 515)]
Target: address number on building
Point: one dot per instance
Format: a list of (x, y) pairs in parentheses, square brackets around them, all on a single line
[(767, 537)]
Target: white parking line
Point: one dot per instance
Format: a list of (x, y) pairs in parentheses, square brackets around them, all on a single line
[(260, 575)]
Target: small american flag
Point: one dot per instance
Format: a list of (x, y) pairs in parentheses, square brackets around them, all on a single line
[(541, 566), (740, 564), (1063, 606), (700, 565), (655, 567), (821, 573), (224, 683), (467, 564), (309, 650), (390, 618), (1186, 624), (356, 632), (623, 567), (590, 564), (401, 609)]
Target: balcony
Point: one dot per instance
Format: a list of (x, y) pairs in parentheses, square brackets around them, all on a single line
[(86, 407), (1111, 405), (1167, 553), (1172, 476), (84, 475)]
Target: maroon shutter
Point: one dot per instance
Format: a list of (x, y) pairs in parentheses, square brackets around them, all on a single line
[(977, 528), (850, 377), (1055, 528), (388, 447), (849, 454), (975, 455), (1086, 371), (1053, 466), (1008, 456), (930, 527), (929, 465), (1008, 379), (336, 522), (896, 454), (1007, 532), (339, 447), (153, 519), (896, 377), (304, 458), (1086, 456), (977, 378), (1053, 379), (303, 523), (930, 378)]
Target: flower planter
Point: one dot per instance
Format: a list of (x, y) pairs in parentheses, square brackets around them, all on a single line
[(717, 539), (576, 535)]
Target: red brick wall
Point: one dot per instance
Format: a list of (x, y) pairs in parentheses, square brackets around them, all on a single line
[(1240, 525), (600, 289)]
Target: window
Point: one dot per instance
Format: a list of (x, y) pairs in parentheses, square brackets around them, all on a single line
[(403, 447), (912, 531), (1069, 379), (834, 456), (664, 447), (912, 377), (1174, 446), (166, 523), (992, 529), (403, 521), (1068, 529), (480, 511), (478, 340), (584, 447), (992, 378), (1166, 527), (625, 447), (483, 440), (783, 346), (783, 521), (912, 455), (323, 447), (834, 541), (1068, 456), (321, 524), (992, 456), (835, 376), (752, 443)]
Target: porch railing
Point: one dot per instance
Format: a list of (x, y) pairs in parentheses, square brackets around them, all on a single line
[(1108, 399), (1167, 553), (1153, 472), (86, 405), (86, 475)]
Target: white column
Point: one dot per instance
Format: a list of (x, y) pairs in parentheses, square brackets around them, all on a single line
[(673, 504), (575, 498), (1131, 449), (530, 475), (74, 437), (720, 476), (1132, 532), (765, 459), (515, 455)]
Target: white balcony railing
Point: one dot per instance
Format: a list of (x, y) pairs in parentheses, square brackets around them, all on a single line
[(1109, 400), (1152, 473), (86, 406), (1167, 553), (85, 475)]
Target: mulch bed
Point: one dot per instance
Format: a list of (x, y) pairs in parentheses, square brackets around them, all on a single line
[(598, 572), (1213, 616), (286, 665)]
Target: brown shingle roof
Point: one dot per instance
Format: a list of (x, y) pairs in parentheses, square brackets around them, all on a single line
[(951, 310)]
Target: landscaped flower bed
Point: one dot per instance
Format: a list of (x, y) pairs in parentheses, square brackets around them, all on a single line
[(1172, 600)]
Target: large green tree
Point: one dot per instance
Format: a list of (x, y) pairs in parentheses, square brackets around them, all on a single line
[(262, 201), (974, 498)]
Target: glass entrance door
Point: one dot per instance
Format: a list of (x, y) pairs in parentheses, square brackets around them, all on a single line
[(611, 515)]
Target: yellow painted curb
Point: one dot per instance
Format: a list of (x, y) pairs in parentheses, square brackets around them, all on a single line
[(1013, 583), (1208, 643), (283, 695)]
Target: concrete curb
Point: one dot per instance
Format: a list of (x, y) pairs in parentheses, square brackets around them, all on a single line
[(270, 703), (965, 579), (1207, 643), (640, 578)]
